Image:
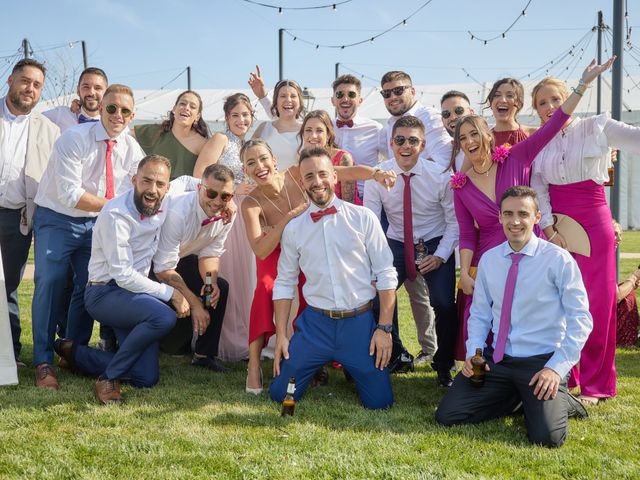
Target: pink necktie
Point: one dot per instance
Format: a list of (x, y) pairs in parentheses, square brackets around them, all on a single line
[(505, 312), (110, 193), (407, 217), (207, 221)]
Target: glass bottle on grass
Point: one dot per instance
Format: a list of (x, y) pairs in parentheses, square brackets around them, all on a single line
[(289, 404)]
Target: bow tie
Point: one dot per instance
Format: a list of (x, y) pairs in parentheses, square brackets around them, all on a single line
[(340, 123), (207, 221), (315, 216), (84, 119), (143, 216)]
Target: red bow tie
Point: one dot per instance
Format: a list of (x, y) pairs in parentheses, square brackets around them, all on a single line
[(207, 221), (143, 216), (340, 123), (315, 216)]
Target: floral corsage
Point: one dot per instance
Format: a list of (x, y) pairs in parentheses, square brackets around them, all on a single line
[(458, 180), (501, 153)]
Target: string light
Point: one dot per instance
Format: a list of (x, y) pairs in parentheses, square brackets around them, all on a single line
[(503, 34), (332, 6), (370, 39)]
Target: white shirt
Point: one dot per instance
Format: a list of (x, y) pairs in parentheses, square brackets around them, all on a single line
[(438, 140), (182, 233), (14, 132), (339, 255), (431, 205), (64, 118), (550, 310), (123, 245), (77, 165), (580, 152)]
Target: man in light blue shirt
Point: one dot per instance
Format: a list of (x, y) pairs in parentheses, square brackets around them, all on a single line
[(534, 347)]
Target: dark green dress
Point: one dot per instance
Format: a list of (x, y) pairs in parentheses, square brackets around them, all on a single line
[(154, 141)]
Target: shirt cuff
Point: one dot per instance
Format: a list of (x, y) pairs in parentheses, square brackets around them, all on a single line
[(165, 292), (387, 281), (281, 292), (559, 365)]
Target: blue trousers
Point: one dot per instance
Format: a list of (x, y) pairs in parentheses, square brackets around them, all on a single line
[(15, 250), (441, 283), (61, 242), (319, 339), (139, 322)]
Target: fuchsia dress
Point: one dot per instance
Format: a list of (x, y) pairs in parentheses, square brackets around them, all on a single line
[(509, 136), (474, 208)]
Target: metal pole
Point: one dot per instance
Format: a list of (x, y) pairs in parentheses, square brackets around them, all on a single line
[(84, 54), (188, 78), (616, 104), (281, 53), (599, 80), (25, 47), (337, 69)]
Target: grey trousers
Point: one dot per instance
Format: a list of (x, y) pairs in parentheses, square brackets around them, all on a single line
[(506, 385)]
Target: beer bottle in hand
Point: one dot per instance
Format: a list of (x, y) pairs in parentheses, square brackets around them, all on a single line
[(421, 252), (478, 363), (208, 290), (289, 404)]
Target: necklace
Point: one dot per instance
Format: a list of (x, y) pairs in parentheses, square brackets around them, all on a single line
[(485, 173)]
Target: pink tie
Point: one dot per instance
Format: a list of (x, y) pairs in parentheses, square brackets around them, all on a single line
[(407, 218), (207, 221), (110, 193), (505, 312)]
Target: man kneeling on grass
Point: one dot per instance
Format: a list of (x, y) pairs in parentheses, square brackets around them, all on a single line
[(538, 330)]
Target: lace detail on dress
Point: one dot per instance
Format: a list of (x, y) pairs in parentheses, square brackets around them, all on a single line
[(231, 157)]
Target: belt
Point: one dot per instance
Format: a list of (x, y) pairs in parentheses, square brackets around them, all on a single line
[(96, 284), (340, 314)]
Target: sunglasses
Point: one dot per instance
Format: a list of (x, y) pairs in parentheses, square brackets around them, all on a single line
[(400, 139), (111, 109), (458, 111), (212, 194), (397, 91), (351, 94)]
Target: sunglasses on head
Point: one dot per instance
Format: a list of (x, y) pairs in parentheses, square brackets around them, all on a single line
[(458, 111), (400, 139), (397, 91), (351, 94), (212, 194), (111, 109)]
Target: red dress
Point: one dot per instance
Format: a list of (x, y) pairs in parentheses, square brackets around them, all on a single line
[(336, 162), (509, 136)]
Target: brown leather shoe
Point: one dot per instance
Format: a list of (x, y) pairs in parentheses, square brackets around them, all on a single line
[(108, 391), (46, 377), (63, 348)]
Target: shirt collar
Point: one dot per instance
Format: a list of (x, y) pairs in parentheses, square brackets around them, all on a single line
[(416, 169), (336, 202), (102, 135), (529, 249), (200, 215)]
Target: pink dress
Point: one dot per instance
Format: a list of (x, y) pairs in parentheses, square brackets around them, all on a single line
[(509, 136), (474, 208)]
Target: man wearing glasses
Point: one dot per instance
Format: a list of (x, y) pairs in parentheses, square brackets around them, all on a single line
[(90, 164), (420, 208), (454, 105), (191, 243), (399, 98)]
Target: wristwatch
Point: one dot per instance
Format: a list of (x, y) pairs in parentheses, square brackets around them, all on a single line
[(384, 328)]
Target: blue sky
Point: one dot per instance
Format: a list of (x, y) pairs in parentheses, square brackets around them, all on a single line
[(147, 43)]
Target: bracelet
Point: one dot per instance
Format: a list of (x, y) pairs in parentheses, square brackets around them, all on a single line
[(553, 236), (375, 170), (575, 90)]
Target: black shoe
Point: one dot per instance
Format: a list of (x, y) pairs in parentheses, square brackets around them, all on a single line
[(444, 378), (321, 378), (403, 363), (64, 348), (575, 408), (211, 363)]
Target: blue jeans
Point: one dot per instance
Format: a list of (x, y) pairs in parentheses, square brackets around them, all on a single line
[(319, 339), (61, 242), (139, 322), (15, 250)]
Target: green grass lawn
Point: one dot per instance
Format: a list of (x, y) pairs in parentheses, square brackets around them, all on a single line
[(197, 424)]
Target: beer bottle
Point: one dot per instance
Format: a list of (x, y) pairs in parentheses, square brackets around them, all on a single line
[(421, 252), (208, 290), (289, 404), (478, 363)]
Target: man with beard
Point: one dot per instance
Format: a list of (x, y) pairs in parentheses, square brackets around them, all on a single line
[(90, 164), (119, 292), (340, 248), (453, 106), (191, 243), (91, 86), (399, 98), (26, 140)]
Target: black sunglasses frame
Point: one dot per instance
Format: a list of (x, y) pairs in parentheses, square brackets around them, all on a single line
[(459, 110), (351, 94), (113, 108), (397, 91), (399, 140)]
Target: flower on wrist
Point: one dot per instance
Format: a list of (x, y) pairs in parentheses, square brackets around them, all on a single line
[(501, 153), (458, 180)]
